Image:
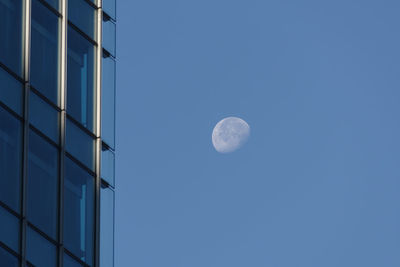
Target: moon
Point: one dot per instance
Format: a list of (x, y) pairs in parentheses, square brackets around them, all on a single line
[(230, 134)]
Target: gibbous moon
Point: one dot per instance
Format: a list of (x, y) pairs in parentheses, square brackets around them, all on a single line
[(230, 134)]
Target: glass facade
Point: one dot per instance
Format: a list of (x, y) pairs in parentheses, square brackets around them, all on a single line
[(57, 132)]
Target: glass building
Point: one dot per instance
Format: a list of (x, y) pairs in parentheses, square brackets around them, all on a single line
[(57, 110)]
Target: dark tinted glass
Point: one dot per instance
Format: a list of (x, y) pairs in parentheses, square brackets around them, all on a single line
[(7, 259), (43, 116), (82, 15), (106, 227), (79, 144), (109, 7), (10, 163), (44, 51), (78, 211), (108, 102), (80, 93), (107, 165), (11, 34), (10, 91), (9, 230), (54, 3), (70, 262), (42, 185), (40, 251), (109, 35)]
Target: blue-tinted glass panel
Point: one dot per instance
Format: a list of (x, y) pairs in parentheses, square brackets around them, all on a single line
[(108, 102), (78, 211), (10, 91), (106, 227), (109, 7), (9, 230), (107, 165), (80, 92), (70, 262), (40, 251), (43, 116), (8, 259), (10, 163), (54, 3), (79, 144), (109, 35), (44, 51), (82, 15), (11, 34), (42, 184)]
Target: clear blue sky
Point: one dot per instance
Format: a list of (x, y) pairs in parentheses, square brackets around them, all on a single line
[(318, 183)]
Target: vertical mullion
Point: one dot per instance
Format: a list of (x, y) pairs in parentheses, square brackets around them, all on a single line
[(26, 75), (98, 132), (63, 104)]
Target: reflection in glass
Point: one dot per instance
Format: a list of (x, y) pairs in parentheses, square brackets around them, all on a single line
[(9, 230), (42, 185), (43, 116), (78, 211), (10, 91), (106, 227), (44, 47), (80, 91), (39, 251), (108, 102), (7, 259), (107, 165), (79, 144), (10, 163), (11, 34), (109, 35), (82, 15)]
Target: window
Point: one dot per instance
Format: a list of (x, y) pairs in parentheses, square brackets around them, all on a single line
[(11, 92), (80, 92), (108, 102), (107, 165), (8, 259), (79, 144), (82, 15), (109, 35), (70, 262), (53, 3), (43, 116), (9, 230), (40, 251), (78, 211), (11, 34), (109, 7), (42, 197), (106, 227), (10, 163), (44, 55)]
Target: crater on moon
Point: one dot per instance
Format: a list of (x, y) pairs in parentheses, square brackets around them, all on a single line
[(230, 134)]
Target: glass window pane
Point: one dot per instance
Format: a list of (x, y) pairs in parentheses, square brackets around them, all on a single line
[(40, 251), (9, 230), (79, 144), (44, 47), (10, 163), (53, 3), (43, 116), (107, 165), (70, 262), (78, 211), (42, 185), (8, 259), (10, 91), (108, 102), (80, 93), (82, 15), (109, 7), (106, 227), (109, 35), (11, 34)]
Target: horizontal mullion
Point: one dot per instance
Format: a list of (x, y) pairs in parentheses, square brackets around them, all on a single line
[(15, 114), (43, 234), (80, 164), (52, 9), (5, 247), (16, 76), (76, 28), (10, 210), (69, 253), (80, 126), (44, 98), (43, 135)]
